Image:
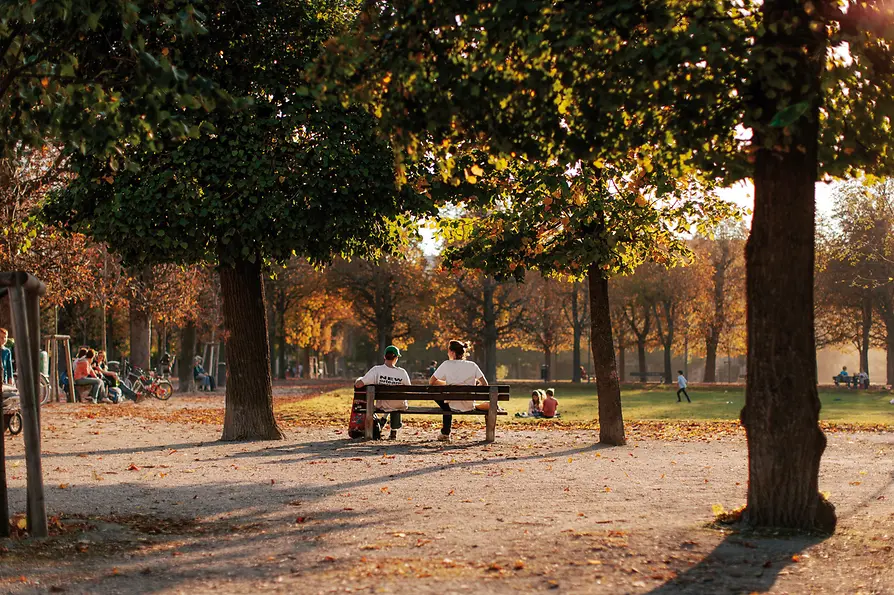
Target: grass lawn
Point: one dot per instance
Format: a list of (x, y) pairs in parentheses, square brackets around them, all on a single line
[(577, 403)]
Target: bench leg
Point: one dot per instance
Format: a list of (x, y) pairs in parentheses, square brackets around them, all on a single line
[(491, 421), (370, 409)]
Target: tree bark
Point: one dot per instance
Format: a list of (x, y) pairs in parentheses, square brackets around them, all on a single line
[(711, 344), (781, 412), (608, 388), (547, 360), (866, 328), (139, 336), (187, 352), (621, 361), (490, 330), (249, 392), (888, 319), (577, 332)]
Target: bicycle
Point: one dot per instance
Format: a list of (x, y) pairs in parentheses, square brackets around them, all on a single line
[(145, 385)]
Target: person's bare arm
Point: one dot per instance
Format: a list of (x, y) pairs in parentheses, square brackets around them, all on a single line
[(359, 383), (482, 381), (433, 381)]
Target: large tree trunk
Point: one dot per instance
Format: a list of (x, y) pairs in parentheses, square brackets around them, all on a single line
[(547, 361), (781, 412), (711, 344), (139, 336), (187, 352), (608, 389), (249, 396)]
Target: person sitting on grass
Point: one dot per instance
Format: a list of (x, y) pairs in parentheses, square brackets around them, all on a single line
[(203, 379), (550, 405), (388, 374), (534, 405)]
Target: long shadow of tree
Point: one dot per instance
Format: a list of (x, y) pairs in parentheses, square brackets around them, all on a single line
[(741, 563)]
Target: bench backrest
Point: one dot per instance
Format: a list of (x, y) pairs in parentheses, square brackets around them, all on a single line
[(430, 393)]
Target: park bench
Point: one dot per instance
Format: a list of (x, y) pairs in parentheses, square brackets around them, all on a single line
[(493, 394), (644, 375)]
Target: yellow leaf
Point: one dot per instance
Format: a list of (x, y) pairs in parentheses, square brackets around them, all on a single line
[(477, 171), (22, 523)]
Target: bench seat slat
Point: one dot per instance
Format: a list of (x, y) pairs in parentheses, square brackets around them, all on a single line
[(437, 411), (439, 390), (389, 396)]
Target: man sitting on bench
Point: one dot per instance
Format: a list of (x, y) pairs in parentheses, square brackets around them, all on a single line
[(388, 374), (843, 377)]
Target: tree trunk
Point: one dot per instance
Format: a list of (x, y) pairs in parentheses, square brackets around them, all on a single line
[(621, 361), (608, 389), (249, 392), (781, 413), (139, 336), (641, 356), (889, 346), (547, 361), (490, 331), (577, 331), (187, 352), (668, 364), (711, 344), (866, 328)]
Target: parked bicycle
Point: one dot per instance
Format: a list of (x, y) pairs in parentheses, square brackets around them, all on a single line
[(146, 385)]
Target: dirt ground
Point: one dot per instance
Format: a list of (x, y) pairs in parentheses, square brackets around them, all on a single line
[(149, 502)]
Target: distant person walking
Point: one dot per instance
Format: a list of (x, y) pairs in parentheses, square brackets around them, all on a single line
[(681, 382)]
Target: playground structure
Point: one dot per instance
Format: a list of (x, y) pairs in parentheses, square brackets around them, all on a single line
[(24, 292)]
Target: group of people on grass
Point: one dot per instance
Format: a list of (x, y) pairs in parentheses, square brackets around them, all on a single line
[(455, 371), (543, 403)]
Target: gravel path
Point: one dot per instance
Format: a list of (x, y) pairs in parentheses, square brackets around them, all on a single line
[(151, 507)]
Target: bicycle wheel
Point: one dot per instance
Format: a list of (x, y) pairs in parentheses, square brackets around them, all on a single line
[(163, 390), (14, 423), (44, 390)]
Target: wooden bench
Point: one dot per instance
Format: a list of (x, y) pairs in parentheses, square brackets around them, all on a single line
[(644, 375), (367, 396)]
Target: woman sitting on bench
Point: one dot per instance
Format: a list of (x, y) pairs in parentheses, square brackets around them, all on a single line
[(457, 371)]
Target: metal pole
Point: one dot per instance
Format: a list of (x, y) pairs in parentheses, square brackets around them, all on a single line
[(25, 307)]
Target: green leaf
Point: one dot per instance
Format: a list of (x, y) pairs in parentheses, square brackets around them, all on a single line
[(788, 116)]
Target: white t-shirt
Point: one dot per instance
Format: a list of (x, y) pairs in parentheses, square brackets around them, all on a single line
[(681, 381), (459, 372), (384, 375)]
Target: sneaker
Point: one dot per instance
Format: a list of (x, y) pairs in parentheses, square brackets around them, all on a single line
[(442, 437), (392, 435)]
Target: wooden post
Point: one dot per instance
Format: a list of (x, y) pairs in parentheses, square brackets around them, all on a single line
[(4, 498), (71, 386), (370, 410), (491, 422), (26, 321)]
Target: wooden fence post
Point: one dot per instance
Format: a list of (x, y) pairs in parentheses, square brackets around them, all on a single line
[(26, 322)]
